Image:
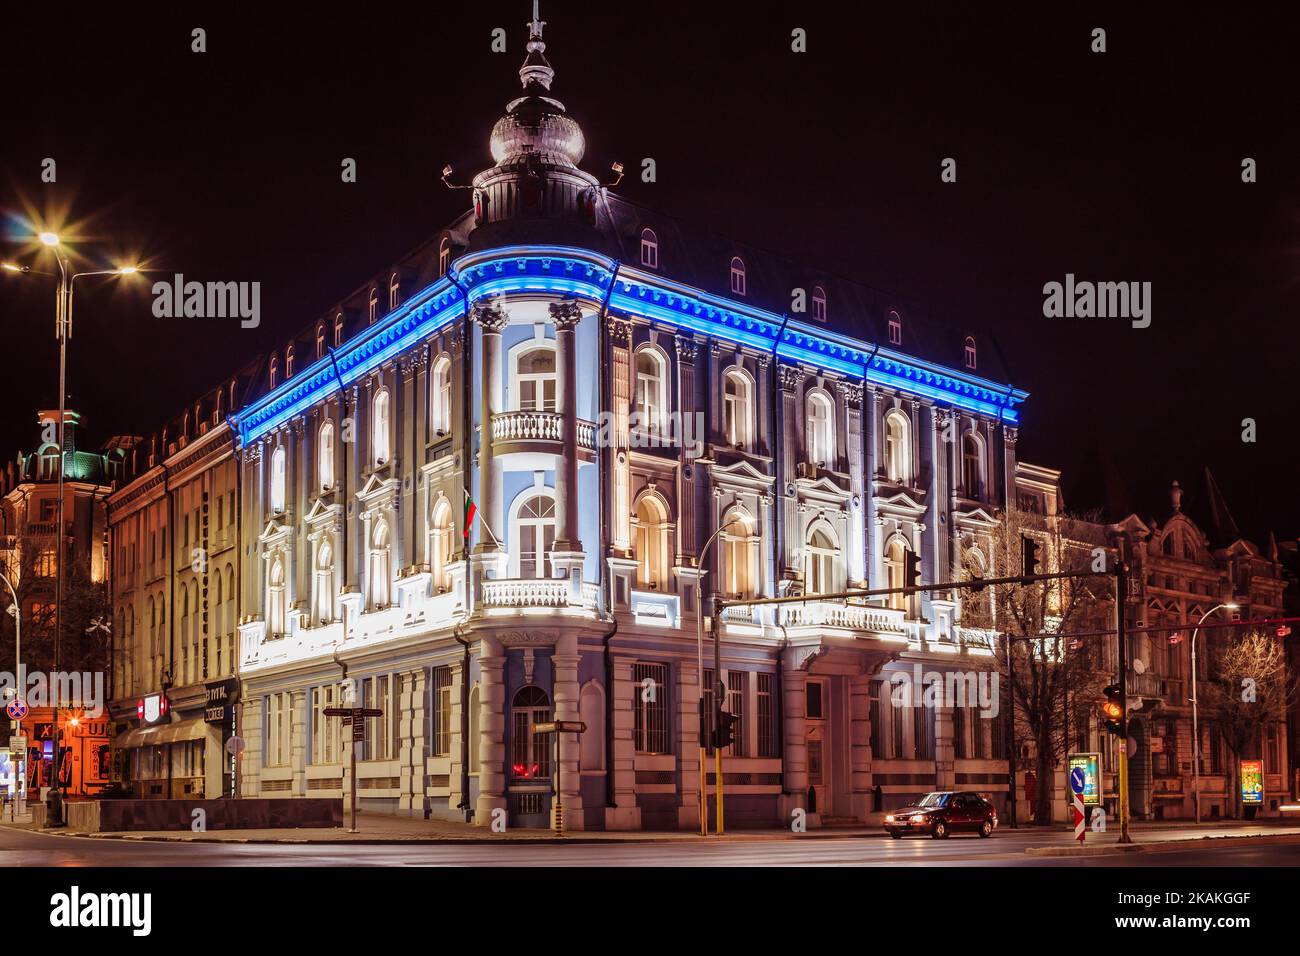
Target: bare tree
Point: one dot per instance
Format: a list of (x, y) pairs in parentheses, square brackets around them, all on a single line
[(1051, 676), (1249, 688)]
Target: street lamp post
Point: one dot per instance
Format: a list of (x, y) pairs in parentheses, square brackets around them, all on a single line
[(16, 759), (1196, 727), (699, 653)]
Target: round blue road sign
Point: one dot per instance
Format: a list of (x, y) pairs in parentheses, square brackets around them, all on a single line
[(1076, 780)]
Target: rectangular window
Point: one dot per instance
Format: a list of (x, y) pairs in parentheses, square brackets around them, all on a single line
[(923, 732), (440, 710), (813, 695), (896, 721), (877, 740), (326, 732), (736, 684), (381, 736), (959, 745), (650, 711), (767, 729), (279, 722)]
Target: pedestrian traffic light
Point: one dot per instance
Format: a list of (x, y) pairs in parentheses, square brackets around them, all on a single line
[(725, 735), (1112, 710), (911, 569), (1030, 555)]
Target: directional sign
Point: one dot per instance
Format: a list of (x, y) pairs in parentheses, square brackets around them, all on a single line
[(18, 746), (16, 709), (1077, 780), (235, 746)]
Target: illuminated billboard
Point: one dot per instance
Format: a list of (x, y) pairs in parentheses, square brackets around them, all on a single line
[(1090, 764)]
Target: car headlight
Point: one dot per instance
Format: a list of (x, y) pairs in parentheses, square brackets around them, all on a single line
[(889, 818)]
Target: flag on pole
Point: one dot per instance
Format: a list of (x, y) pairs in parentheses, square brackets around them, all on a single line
[(471, 509)]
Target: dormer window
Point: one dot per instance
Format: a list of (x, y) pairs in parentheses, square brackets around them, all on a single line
[(394, 292), (444, 256), (970, 352), (288, 362), (738, 276), (372, 307), (895, 329), (273, 370), (649, 249), (819, 303), (320, 340), (338, 330)]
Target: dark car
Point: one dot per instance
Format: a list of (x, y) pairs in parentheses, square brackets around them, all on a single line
[(944, 812)]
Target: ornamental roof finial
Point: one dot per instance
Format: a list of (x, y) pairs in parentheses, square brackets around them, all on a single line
[(536, 71)]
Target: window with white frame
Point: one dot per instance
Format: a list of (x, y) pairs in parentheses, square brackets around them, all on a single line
[(896, 571), (444, 256), (533, 527), (535, 379), (442, 541), (279, 726), (275, 598), (819, 303), (320, 340), (326, 732), (324, 603), (338, 330), (766, 714), (972, 465), (821, 430), (895, 329), (372, 307), (737, 682), (394, 292), (380, 693), (970, 351), (652, 544), (739, 556), (325, 455), (649, 249), (379, 428), (651, 389), (738, 276), (738, 408), (379, 571), (440, 711), (288, 368), (819, 563), (440, 396), (272, 373), (898, 447), (530, 753), (650, 714)]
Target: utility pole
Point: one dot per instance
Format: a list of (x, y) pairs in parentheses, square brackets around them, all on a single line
[(718, 692), (1121, 630)]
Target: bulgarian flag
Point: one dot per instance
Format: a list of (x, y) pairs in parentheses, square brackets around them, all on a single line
[(471, 509)]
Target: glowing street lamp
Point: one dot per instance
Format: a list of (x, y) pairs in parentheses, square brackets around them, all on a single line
[(1196, 727)]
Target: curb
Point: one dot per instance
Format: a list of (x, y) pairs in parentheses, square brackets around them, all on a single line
[(1165, 846)]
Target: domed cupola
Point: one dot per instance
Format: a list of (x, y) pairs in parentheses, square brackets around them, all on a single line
[(537, 147)]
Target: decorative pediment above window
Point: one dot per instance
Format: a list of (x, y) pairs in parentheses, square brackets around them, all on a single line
[(322, 515), (742, 473), (379, 491), (906, 504), (974, 518), (275, 533)]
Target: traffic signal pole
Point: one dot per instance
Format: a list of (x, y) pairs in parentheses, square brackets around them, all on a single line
[(718, 698), (1121, 630)]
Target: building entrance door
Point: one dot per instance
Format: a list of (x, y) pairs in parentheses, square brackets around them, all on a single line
[(819, 747)]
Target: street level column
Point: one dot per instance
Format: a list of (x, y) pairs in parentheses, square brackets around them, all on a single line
[(492, 321), (492, 730)]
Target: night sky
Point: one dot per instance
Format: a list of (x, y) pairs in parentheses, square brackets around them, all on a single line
[(1122, 166)]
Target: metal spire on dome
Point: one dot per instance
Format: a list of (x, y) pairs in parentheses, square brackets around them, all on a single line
[(535, 69)]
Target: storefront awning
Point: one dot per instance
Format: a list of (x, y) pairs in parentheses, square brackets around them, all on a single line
[(192, 729)]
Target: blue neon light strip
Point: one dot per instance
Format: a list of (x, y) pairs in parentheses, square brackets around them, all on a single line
[(577, 272)]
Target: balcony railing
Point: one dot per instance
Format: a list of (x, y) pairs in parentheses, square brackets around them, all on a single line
[(538, 426), (856, 617), (535, 593)]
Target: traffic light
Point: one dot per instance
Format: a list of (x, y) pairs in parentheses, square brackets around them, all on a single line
[(1030, 555), (725, 735), (911, 569), (1112, 710)]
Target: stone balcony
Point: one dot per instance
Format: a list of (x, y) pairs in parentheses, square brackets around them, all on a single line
[(536, 593), (536, 431), (870, 618)]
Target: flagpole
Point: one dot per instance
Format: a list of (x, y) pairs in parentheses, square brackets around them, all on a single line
[(469, 499)]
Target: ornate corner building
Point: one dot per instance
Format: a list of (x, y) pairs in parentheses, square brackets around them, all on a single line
[(483, 490)]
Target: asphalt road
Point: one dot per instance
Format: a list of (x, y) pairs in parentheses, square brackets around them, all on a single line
[(1006, 848)]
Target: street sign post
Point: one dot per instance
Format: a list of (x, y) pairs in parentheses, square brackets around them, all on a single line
[(1077, 781), (558, 727), (16, 709), (355, 716)]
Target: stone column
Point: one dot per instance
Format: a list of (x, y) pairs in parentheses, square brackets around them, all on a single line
[(492, 320), (458, 677), (567, 690), (794, 684), (414, 747), (492, 728), (860, 775), (688, 766), (626, 815), (567, 553), (945, 753)]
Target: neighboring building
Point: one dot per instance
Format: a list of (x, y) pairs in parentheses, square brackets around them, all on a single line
[(175, 530), (1183, 569)]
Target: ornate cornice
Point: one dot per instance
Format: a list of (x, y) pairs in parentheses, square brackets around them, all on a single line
[(565, 314)]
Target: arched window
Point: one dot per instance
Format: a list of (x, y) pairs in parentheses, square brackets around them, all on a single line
[(970, 351), (819, 563), (972, 465), (821, 430), (649, 249), (651, 389), (895, 329), (442, 540), (394, 292), (896, 570), (275, 598), (379, 570), (739, 576), (652, 544), (738, 275), (288, 362), (232, 394), (277, 479), (379, 427), (440, 396), (1167, 545), (272, 371), (535, 379), (530, 754), (50, 462), (737, 408), (320, 340), (372, 307), (324, 602), (533, 527), (338, 330), (325, 456), (444, 256), (898, 447), (819, 303)]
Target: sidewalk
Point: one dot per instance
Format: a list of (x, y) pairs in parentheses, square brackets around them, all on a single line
[(376, 828)]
